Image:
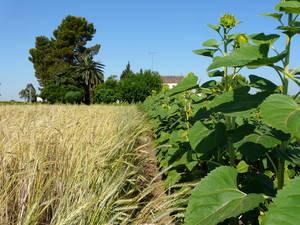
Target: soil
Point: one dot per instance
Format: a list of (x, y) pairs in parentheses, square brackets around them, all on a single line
[(151, 171)]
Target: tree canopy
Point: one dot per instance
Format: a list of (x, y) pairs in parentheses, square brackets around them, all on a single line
[(91, 73), (29, 93), (108, 92), (137, 87), (50, 56), (126, 72), (67, 73), (54, 58)]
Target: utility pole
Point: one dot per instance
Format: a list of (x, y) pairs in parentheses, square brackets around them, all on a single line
[(152, 55)]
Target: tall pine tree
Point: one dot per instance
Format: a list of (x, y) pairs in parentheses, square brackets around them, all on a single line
[(52, 56)]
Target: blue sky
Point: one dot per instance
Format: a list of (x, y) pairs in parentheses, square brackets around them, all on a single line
[(129, 31)]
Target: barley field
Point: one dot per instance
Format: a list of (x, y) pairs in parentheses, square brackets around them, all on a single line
[(70, 164)]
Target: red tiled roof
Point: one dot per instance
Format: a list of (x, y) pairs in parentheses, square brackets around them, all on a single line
[(172, 79)]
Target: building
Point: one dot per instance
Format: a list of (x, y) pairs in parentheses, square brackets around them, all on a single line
[(39, 99), (172, 81)]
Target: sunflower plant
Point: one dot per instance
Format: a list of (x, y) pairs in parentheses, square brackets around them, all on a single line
[(241, 146)]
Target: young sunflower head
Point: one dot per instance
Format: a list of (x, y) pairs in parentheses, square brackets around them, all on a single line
[(240, 38), (165, 88), (228, 21)]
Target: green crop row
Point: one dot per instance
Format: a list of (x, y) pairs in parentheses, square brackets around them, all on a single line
[(239, 141)]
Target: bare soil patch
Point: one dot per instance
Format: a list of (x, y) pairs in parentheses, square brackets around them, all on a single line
[(154, 179)]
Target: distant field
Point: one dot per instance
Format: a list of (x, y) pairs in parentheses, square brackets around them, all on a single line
[(70, 164), (14, 103)]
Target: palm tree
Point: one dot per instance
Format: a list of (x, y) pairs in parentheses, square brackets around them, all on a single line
[(91, 72)]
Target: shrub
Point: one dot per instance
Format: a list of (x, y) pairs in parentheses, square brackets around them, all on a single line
[(107, 92), (54, 93), (137, 87), (74, 97)]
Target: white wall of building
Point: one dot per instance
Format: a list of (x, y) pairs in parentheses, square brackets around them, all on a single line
[(171, 85), (39, 99)]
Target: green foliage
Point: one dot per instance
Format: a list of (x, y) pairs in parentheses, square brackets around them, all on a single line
[(91, 73), (242, 56), (289, 7), (43, 62), (235, 81), (199, 127), (216, 73), (276, 16), (137, 87), (205, 52), (74, 97), (242, 167), (261, 38), (51, 56), (107, 92), (57, 60), (262, 84), (126, 72), (285, 207), (198, 133), (211, 43), (217, 198), (71, 36), (29, 93), (254, 146), (190, 82), (54, 93), (282, 113), (236, 103)]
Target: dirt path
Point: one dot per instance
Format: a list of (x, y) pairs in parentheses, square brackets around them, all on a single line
[(158, 193)]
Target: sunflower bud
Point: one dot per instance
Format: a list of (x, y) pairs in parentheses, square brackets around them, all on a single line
[(165, 88), (228, 21), (191, 75), (240, 38), (189, 113)]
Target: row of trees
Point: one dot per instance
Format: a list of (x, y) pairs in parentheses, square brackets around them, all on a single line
[(67, 73), (132, 87)]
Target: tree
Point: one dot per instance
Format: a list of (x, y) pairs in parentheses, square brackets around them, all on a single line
[(91, 73), (51, 56), (107, 92), (29, 93), (60, 93), (74, 96), (41, 57), (71, 36), (53, 93), (126, 72), (137, 87)]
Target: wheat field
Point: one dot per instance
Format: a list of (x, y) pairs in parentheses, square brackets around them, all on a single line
[(76, 164), (69, 164)]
